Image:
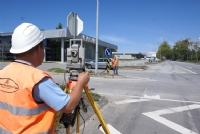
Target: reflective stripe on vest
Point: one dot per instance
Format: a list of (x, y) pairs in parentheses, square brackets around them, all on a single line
[(3, 131), (24, 111)]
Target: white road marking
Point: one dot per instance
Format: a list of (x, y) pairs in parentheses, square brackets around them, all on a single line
[(187, 69), (111, 129), (124, 79), (156, 116), (176, 109), (152, 97), (139, 78), (195, 102), (130, 101)]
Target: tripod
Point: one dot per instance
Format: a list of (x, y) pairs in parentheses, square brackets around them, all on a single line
[(69, 119)]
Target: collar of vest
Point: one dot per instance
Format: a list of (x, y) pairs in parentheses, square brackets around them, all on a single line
[(23, 62)]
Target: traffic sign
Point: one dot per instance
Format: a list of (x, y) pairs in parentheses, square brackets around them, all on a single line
[(75, 24), (107, 52)]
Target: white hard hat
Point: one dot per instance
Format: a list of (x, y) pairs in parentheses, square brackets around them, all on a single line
[(25, 37)]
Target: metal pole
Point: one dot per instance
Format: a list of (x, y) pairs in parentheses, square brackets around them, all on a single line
[(62, 50), (2, 51), (74, 25), (160, 54), (97, 12)]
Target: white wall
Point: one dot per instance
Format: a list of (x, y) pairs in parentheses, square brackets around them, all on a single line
[(123, 56), (151, 54)]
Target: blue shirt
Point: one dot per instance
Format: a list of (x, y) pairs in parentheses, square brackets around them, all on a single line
[(49, 92)]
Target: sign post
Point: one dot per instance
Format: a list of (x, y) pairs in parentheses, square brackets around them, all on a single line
[(107, 54)]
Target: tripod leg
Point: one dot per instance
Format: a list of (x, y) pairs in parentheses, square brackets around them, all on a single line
[(96, 110), (78, 122), (58, 115), (68, 130)]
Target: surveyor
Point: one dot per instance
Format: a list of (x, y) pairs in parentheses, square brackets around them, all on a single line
[(29, 97), (115, 65)]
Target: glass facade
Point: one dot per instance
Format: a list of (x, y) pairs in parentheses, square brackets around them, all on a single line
[(89, 51), (52, 49), (5, 45)]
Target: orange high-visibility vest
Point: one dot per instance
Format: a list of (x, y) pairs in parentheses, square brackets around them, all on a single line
[(20, 114), (114, 62)]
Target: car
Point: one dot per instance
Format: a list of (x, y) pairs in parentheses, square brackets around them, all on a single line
[(154, 59), (102, 63)]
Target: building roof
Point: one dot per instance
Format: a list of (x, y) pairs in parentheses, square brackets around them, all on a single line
[(126, 53), (63, 33)]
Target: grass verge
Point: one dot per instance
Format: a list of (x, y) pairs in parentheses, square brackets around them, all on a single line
[(57, 70)]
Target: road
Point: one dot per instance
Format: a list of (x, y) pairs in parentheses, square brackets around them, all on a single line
[(163, 99)]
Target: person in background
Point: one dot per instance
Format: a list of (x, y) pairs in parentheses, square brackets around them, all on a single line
[(29, 96), (115, 65)]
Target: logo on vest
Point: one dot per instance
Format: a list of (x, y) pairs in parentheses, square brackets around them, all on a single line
[(7, 85)]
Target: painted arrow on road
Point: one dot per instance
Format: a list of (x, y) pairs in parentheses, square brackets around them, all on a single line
[(156, 115)]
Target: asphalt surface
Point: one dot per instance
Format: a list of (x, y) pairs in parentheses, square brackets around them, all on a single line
[(163, 99)]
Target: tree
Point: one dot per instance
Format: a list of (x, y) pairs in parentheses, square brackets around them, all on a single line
[(59, 26), (196, 49), (190, 45), (164, 50), (180, 50)]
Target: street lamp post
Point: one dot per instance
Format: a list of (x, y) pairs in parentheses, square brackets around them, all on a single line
[(1, 51), (97, 15), (160, 54)]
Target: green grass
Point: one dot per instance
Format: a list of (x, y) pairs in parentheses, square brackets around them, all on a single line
[(153, 62), (132, 67), (127, 59), (57, 70)]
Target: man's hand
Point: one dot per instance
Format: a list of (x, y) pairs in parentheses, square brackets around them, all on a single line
[(76, 93), (84, 78)]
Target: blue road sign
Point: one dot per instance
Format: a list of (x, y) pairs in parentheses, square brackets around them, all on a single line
[(107, 52)]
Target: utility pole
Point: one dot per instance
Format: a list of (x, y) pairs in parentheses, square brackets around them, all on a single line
[(160, 54), (1, 50), (97, 15)]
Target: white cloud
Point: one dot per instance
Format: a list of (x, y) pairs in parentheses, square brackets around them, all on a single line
[(115, 39)]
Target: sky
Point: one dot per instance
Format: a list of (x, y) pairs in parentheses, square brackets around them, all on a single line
[(132, 25)]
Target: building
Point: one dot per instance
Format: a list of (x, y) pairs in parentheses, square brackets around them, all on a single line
[(128, 55), (151, 54), (56, 44)]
